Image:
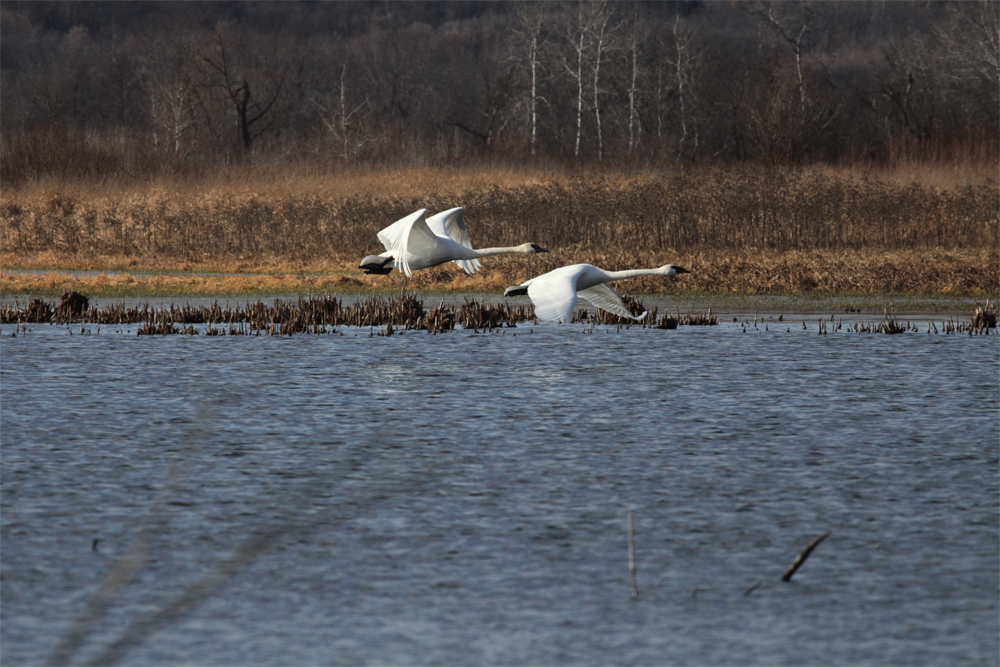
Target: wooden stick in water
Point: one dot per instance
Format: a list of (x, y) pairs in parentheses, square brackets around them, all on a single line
[(801, 558), (631, 557)]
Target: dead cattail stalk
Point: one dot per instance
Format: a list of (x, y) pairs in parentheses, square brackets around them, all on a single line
[(801, 558), (631, 558)]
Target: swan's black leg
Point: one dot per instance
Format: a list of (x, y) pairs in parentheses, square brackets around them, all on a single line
[(378, 269)]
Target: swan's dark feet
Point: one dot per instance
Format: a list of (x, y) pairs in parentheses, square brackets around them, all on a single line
[(377, 268)]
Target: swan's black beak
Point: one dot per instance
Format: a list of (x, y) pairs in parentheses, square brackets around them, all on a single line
[(680, 269), (538, 248)]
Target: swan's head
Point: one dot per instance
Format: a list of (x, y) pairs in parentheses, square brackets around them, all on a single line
[(531, 248), (671, 270)]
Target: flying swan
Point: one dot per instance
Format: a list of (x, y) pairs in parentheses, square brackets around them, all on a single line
[(554, 293), (417, 242)]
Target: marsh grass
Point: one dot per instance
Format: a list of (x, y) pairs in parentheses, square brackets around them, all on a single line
[(849, 273), (739, 229)]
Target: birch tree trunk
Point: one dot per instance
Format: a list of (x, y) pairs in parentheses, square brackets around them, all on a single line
[(599, 25), (531, 16), (579, 86)]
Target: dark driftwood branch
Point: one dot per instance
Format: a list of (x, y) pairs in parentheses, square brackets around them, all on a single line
[(801, 558), (631, 558)]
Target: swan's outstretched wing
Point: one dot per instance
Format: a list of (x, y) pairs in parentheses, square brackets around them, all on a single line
[(408, 235), (554, 295), (451, 224), (605, 297)]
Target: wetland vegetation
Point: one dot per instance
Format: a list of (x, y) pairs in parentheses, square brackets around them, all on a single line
[(741, 229)]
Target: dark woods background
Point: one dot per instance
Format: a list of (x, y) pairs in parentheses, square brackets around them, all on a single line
[(130, 88)]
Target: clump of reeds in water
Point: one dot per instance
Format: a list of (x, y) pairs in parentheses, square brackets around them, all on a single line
[(887, 326), (73, 307), (304, 315), (439, 320), (474, 315), (36, 311), (321, 315), (317, 315), (668, 321), (604, 317), (984, 318)]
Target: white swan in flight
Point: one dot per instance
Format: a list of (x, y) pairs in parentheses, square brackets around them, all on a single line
[(554, 293), (417, 242)]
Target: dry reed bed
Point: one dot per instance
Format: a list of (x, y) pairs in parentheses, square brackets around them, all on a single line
[(656, 215), (739, 229)]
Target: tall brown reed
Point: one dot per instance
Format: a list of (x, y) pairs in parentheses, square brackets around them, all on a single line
[(693, 210)]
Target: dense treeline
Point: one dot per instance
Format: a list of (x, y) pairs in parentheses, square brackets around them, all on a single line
[(133, 87)]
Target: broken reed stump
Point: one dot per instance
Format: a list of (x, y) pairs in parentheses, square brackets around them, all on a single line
[(631, 558), (801, 558), (72, 305)]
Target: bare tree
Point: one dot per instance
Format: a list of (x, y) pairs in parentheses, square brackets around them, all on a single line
[(576, 36), (791, 21), (430, 80), (57, 87), (485, 101), (344, 121), (970, 59), (600, 29), (582, 31), (168, 78), (235, 81), (531, 16), (636, 33), (682, 62)]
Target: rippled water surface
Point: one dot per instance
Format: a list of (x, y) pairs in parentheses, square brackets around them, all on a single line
[(462, 498)]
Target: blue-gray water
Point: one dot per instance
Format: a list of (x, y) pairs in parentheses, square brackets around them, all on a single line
[(462, 498)]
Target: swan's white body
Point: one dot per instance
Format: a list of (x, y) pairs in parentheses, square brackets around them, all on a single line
[(554, 294), (418, 242)]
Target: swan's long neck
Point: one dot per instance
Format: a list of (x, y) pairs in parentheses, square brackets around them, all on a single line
[(489, 252), (632, 273)]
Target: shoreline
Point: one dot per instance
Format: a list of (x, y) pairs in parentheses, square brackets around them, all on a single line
[(934, 275), (743, 303)]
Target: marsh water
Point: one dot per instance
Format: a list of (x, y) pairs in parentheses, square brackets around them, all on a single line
[(462, 498)]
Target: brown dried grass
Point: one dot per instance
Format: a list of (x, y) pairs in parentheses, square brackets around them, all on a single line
[(946, 273), (739, 229)]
